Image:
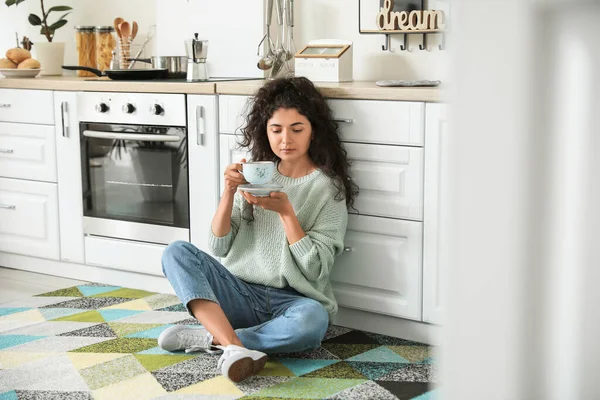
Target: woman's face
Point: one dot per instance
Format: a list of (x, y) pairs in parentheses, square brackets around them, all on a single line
[(289, 134)]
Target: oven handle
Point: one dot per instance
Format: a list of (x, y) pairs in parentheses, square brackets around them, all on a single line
[(131, 136)]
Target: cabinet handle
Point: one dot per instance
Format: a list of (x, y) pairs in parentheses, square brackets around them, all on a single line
[(5, 105), (64, 112), (200, 128), (345, 120), (8, 206), (347, 249), (7, 151)]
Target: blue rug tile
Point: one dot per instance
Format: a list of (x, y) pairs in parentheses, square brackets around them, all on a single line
[(7, 341), (12, 310), (300, 366), (12, 395), (153, 333), (92, 290), (113, 315)]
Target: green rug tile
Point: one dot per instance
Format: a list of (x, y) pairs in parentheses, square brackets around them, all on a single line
[(414, 354), (125, 293), (275, 368), (124, 329), (344, 351), (340, 370), (120, 345), (88, 316), (152, 362), (110, 372), (308, 388), (68, 292)]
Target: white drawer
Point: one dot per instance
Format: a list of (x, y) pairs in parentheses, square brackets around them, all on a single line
[(385, 122), (27, 152), (124, 254), (390, 180), (231, 113), (29, 106), (381, 269), (29, 218)]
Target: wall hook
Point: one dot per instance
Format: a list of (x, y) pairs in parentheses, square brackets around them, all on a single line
[(424, 45), (387, 46), (404, 46)]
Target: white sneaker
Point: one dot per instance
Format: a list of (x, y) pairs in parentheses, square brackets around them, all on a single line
[(238, 363), (190, 339)]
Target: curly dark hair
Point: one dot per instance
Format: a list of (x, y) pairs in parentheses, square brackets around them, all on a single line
[(326, 150)]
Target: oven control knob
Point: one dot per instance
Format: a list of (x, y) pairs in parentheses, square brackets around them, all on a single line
[(102, 108), (128, 108), (157, 109)]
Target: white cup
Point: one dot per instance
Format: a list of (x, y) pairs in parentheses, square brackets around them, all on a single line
[(258, 172)]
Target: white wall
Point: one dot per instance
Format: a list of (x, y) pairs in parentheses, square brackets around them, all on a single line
[(234, 31), (338, 19), (86, 12)]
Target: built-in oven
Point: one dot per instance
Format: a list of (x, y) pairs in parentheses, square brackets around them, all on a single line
[(134, 158)]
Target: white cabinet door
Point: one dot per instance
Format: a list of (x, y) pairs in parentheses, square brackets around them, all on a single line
[(231, 113), (390, 180), (229, 153), (203, 166), (70, 194), (26, 106), (29, 218), (376, 121), (380, 269), (435, 253), (27, 152)]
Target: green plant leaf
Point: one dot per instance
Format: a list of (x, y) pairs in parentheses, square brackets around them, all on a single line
[(9, 2), (19, 1), (59, 8), (64, 15), (34, 20), (43, 30), (58, 24)]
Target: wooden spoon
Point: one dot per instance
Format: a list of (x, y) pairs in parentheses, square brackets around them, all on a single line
[(116, 23), (125, 31), (134, 30)]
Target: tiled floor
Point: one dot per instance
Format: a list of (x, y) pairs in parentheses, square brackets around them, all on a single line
[(16, 284)]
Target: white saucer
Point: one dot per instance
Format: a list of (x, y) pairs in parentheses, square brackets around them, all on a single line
[(19, 73), (260, 190)]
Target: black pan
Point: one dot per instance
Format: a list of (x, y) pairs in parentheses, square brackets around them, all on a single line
[(124, 74)]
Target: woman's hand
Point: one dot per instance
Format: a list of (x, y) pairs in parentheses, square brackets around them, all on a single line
[(233, 177), (277, 202)]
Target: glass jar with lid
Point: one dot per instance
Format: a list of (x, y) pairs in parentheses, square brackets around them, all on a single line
[(85, 42), (105, 44)]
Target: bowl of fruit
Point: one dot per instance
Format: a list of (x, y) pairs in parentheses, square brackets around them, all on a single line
[(19, 64)]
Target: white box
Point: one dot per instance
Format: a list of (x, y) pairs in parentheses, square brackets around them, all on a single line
[(325, 60)]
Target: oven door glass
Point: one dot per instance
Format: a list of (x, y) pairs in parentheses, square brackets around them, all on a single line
[(135, 173)]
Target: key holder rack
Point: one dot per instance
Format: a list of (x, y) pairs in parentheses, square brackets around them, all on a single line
[(415, 17)]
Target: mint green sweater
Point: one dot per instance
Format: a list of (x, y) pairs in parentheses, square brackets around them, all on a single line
[(259, 252)]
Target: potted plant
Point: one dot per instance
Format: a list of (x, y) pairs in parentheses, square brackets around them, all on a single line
[(50, 54)]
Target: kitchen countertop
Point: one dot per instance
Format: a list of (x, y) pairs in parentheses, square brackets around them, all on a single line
[(349, 90)]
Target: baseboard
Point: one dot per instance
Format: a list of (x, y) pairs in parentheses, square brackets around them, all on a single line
[(82, 272), (386, 325), (351, 318)]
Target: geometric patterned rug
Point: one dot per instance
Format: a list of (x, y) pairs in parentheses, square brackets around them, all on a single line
[(99, 342)]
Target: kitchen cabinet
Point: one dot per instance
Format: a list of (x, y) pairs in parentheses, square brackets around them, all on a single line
[(390, 179), (380, 268), (29, 218), (383, 122), (28, 174), (229, 153), (435, 257), (203, 166), (28, 151), (26, 106), (69, 177)]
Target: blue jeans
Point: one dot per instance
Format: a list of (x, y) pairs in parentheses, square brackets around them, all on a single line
[(266, 319)]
